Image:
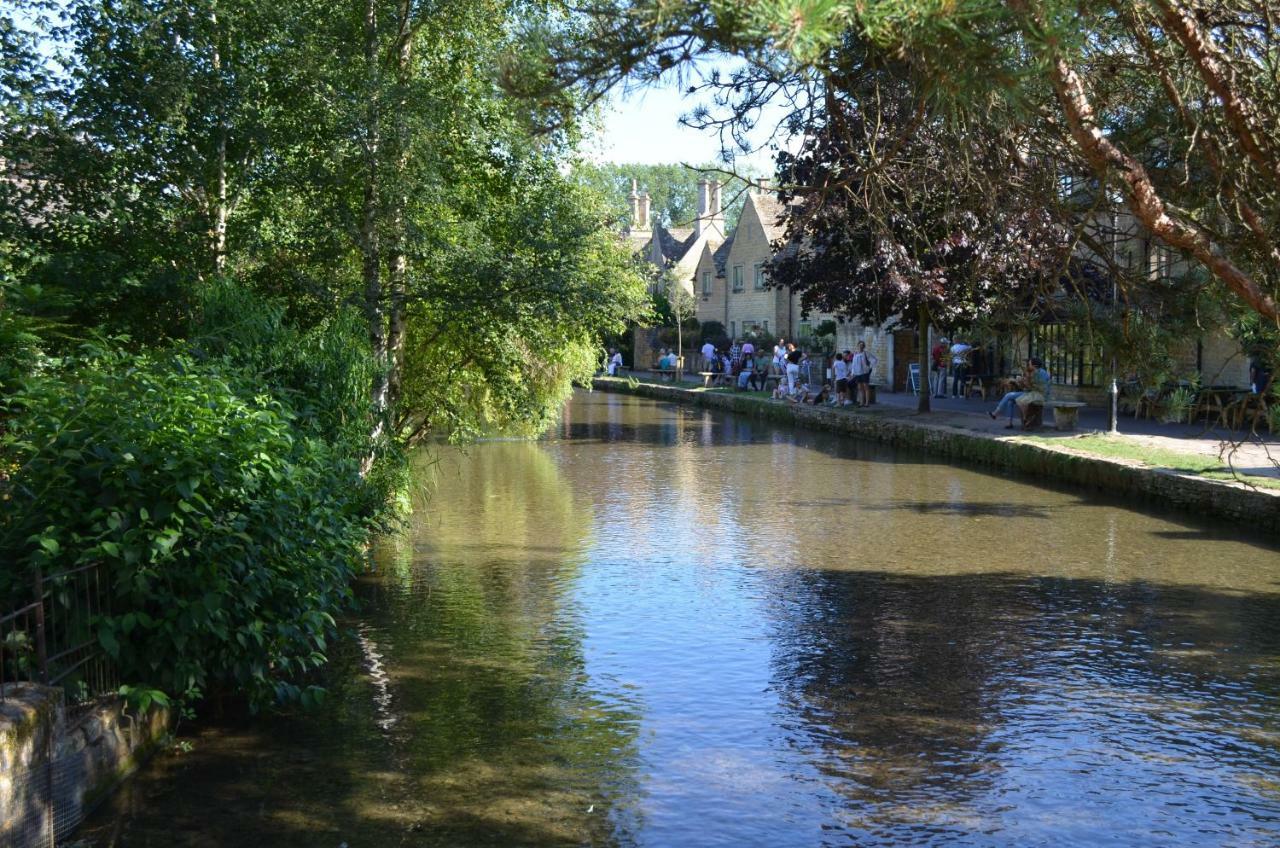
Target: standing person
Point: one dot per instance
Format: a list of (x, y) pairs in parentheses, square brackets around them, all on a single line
[(938, 385), (793, 369), (960, 366), (780, 354), (863, 364), (748, 349), (708, 354), (735, 353), (841, 369)]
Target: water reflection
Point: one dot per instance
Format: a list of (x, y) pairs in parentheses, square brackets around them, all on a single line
[(666, 627)]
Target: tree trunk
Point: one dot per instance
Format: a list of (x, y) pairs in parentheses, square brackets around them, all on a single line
[(923, 401), (397, 260), (369, 240), (218, 235), (1141, 195)]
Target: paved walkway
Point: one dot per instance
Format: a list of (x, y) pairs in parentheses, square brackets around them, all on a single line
[(1255, 455)]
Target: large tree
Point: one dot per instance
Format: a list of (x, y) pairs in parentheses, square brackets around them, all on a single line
[(333, 154), (1172, 104), (947, 227)]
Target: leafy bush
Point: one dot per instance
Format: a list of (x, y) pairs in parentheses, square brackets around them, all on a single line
[(228, 539)]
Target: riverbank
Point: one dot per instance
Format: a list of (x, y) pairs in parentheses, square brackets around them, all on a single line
[(963, 437)]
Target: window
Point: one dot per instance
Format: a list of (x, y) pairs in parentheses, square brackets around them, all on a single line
[(737, 278), (1070, 359), (759, 276), (733, 329), (804, 330), (1163, 262), (764, 327), (706, 282)]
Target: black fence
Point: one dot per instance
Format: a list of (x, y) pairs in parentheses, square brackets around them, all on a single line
[(1068, 354), (53, 639)]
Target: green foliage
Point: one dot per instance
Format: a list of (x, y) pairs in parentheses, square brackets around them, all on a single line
[(228, 537)]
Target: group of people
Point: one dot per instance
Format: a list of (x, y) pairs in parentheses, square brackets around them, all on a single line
[(841, 379), (959, 353)]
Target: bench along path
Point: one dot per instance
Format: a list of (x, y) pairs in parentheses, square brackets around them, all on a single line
[(1066, 414)]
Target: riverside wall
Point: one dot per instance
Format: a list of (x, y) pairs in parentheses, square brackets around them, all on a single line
[(1235, 502), (54, 770)]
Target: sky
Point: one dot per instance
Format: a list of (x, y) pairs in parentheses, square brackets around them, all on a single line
[(644, 126)]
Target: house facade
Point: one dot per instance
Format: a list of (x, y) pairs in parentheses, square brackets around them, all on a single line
[(727, 274)]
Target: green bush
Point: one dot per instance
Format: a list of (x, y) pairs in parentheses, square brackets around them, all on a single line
[(227, 536)]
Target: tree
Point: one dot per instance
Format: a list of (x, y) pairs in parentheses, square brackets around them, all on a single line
[(1172, 104), (946, 227), (684, 306)]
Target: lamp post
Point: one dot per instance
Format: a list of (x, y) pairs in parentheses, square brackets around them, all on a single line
[(1113, 408)]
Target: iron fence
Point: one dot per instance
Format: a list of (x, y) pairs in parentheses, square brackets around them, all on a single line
[(53, 639)]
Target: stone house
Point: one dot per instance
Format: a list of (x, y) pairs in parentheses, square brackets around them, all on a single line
[(727, 274), (677, 248)]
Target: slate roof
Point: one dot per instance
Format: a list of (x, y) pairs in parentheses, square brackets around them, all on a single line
[(721, 254)]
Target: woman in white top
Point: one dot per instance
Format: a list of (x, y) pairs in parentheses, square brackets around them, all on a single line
[(863, 363)]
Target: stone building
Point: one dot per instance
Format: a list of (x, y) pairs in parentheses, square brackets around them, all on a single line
[(727, 274), (677, 248)]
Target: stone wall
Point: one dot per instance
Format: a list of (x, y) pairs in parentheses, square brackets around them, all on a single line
[(54, 771), (1258, 508)]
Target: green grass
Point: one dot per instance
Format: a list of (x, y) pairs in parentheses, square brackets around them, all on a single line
[(1189, 463)]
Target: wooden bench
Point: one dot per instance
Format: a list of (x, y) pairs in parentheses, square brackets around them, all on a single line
[(1066, 413)]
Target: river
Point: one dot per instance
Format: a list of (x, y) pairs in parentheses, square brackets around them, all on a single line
[(661, 626)]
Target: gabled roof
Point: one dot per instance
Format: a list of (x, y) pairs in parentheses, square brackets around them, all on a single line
[(675, 242), (772, 214), (721, 254)]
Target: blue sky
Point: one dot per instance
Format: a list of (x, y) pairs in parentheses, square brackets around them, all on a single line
[(644, 126)]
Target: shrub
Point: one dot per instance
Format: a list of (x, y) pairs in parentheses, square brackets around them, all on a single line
[(227, 538)]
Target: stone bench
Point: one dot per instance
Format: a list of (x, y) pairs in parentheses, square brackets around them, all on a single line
[(1066, 413)]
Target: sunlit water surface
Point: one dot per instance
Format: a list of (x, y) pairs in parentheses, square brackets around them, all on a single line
[(668, 627)]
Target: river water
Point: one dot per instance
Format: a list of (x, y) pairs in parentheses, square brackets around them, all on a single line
[(661, 626)]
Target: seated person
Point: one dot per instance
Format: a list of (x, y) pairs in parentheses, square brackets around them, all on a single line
[(1036, 380), (760, 371), (747, 374)]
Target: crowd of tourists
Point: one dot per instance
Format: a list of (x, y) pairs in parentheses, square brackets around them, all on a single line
[(797, 376)]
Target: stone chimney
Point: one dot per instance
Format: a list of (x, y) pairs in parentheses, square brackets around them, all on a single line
[(710, 216), (639, 210)]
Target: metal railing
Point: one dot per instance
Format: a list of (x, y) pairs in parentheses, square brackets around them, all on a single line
[(53, 639)]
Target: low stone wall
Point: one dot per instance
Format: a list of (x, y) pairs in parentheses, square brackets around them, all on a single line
[(52, 772), (1258, 508)]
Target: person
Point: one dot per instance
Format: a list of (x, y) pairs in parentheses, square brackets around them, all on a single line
[(793, 368), (1036, 378), (939, 357), (735, 353), (746, 376), (708, 353), (863, 364), (841, 370), (759, 377), (1259, 377), (748, 349), (806, 368), (959, 366), (615, 363)]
